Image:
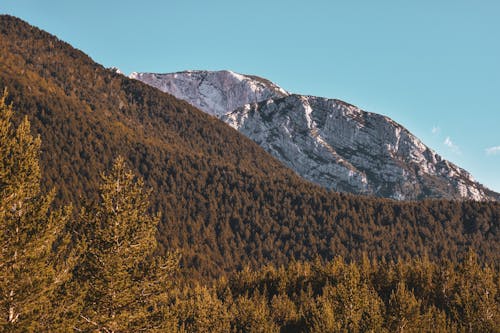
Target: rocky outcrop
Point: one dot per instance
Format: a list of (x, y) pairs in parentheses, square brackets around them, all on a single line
[(341, 147), (216, 92), (326, 141)]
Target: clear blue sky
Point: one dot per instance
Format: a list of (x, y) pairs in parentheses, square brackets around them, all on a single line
[(433, 66)]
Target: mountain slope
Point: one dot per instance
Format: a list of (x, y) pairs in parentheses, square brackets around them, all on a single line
[(344, 148), (225, 202), (328, 142)]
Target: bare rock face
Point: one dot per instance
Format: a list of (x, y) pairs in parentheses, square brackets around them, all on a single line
[(215, 92), (346, 149), (326, 141)]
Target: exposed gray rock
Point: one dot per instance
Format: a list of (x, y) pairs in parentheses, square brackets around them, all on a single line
[(346, 149), (326, 141), (213, 92)]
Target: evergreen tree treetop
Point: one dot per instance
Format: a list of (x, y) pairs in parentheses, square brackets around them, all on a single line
[(28, 230)]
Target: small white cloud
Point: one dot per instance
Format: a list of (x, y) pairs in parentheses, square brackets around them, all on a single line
[(436, 130), (453, 147), (493, 150)]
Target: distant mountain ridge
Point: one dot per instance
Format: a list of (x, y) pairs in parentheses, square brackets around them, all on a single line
[(326, 141)]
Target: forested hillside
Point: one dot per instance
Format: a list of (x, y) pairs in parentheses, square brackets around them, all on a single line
[(96, 272), (224, 202)]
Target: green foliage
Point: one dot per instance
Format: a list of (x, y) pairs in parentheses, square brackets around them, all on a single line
[(284, 311), (320, 316), (28, 231), (473, 302), (356, 305), (118, 285), (403, 309), (117, 266), (252, 315), (199, 310), (351, 297)]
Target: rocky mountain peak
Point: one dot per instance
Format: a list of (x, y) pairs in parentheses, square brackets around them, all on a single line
[(214, 92), (327, 141)]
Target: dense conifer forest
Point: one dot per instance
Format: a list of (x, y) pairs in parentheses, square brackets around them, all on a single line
[(224, 203), (96, 271), (123, 209)]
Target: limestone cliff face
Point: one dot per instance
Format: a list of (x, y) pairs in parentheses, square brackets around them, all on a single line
[(214, 92), (346, 149), (326, 141)]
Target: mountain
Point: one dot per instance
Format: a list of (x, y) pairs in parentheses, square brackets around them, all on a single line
[(327, 141), (214, 92), (341, 147), (224, 202)]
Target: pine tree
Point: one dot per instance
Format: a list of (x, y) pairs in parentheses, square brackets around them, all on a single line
[(251, 314), (321, 317), (125, 286), (473, 303), (357, 307), (199, 310), (28, 230), (403, 310)]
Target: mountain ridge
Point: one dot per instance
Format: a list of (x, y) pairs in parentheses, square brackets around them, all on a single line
[(213, 91), (417, 173)]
